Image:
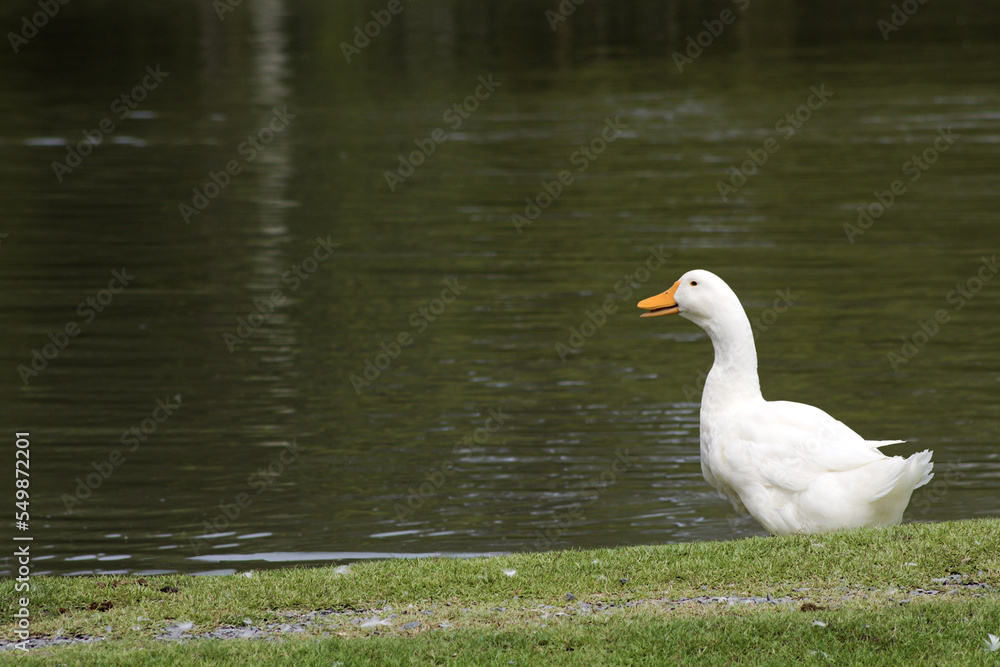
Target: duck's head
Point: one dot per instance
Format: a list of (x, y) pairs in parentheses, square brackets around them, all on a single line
[(699, 296)]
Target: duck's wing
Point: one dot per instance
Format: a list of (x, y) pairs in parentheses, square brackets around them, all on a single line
[(788, 445)]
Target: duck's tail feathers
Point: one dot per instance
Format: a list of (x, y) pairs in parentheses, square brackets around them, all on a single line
[(890, 474), (920, 467), (884, 443), (901, 475)]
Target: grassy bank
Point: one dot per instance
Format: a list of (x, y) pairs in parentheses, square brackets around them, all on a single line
[(921, 593)]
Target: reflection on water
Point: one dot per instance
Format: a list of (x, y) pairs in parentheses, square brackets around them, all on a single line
[(366, 370)]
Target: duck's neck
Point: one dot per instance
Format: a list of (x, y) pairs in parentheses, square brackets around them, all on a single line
[(734, 373)]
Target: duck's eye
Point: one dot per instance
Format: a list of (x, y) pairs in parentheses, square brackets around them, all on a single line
[(694, 283)]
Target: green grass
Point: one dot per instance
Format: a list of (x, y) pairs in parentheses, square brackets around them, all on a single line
[(471, 612)]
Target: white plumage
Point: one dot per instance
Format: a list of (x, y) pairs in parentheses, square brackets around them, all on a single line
[(793, 467)]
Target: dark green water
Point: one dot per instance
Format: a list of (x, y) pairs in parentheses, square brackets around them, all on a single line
[(521, 403)]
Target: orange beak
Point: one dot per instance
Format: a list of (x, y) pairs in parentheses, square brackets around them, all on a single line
[(661, 304)]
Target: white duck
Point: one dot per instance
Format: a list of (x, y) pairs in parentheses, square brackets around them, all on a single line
[(793, 467)]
